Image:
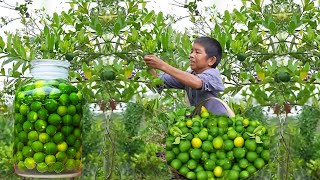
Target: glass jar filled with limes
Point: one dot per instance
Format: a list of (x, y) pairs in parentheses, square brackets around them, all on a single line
[(48, 127)]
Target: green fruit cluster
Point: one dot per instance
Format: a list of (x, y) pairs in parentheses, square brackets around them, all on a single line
[(208, 146), (48, 127)]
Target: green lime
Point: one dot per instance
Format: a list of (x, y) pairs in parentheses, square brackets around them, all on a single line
[(71, 152), (67, 119), (176, 164), (251, 169), (79, 108), (63, 146), (76, 120), (58, 137), (35, 106), (50, 159), (32, 116), (50, 148), (43, 114), (37, 146), (44, 137), (228, 145), (19, 118), (39, 83), (28, 100), (239, 153), (233, 175), (21, 166), (20, 146), (27, 151), (205, 156), (243, 163), (61, 156), (265, 155), (77, 144), (244, 174), (23, 136), (40, 125), (170, 155), (236, 167), (77, 133), (209, 165), (27, 126), (42, 167), (217, 142), (183, 157), (33, 135), (72, 110), (184, 145), (30, 163), (51, 130), (39, 94), (63, 110), (241, 57), (203, 135), (223, 122), (207, 146), (18, 156), (39, 157), (196, 154), (259, 163), (251, 144), (184, 170), (70, 164), (54, 119), (202, 175), (67, 130), (64, 99), (192, 164), (107, 75), (58, 167), (74, 98), (20, 96), (78, 155), (24, 109), (65, 88), (54, 93), (251, 156), (69, 56), (191, 175), (51, 105), (196, 129), (239, 129)]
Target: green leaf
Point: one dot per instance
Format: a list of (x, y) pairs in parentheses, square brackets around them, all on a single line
[(240, 16), (306, 67), (177, 140), (258, 140), (56, 19), (227, 17), (159, 18), (2, 44), (99, 29), (116, 28), (148, 17)]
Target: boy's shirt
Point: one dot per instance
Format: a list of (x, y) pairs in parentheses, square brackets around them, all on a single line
[(212, 84)]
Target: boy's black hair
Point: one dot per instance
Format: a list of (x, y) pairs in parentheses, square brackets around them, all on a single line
[(212, 48)]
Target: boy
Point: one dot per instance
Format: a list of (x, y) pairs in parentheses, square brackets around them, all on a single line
[(204, 79)]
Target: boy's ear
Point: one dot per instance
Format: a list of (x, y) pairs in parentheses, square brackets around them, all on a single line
[(212, 60)]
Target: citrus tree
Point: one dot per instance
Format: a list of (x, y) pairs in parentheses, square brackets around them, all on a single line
[(271, 51)]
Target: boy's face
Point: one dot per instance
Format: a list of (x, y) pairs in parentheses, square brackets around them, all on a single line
[(199, 60)]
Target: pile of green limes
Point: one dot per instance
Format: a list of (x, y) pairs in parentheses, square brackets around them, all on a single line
[(208, 146), (48, 127)]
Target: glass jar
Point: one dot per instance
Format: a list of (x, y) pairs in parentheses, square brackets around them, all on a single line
[(47, 123)]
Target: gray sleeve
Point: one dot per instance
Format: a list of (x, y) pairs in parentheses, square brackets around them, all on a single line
[(171, 82), (211, 81)]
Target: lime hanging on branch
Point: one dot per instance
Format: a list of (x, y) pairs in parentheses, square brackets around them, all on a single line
[(241, 57), (70, 56), (108, 75), (282, 77)]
